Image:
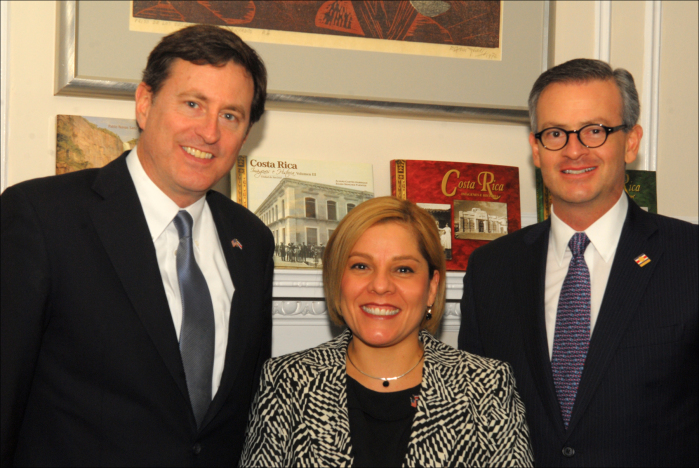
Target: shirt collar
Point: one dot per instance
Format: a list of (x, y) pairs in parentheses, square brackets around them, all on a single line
[(604, 233), (158, 208)]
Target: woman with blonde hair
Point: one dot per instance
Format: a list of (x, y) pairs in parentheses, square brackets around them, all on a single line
[(385, 392)]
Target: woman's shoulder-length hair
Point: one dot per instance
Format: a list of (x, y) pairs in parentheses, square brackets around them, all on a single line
[(352, 227)]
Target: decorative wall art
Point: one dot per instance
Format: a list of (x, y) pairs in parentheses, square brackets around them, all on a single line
[(99, 55), (463, 29), (87, 142)]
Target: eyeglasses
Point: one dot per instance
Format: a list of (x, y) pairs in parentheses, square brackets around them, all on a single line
[(590, 136)]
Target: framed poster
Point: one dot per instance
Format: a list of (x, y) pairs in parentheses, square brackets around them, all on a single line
[(98, 55)]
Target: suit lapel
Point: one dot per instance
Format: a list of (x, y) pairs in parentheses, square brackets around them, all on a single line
[(530, 282), (122, 228), (625, 287)]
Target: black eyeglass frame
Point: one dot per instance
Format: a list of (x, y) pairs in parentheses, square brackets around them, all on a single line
[(608, 130)]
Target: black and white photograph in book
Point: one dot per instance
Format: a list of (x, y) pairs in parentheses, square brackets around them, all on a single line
[(301, 201), (479, 220), (310, 212), (441, 212)]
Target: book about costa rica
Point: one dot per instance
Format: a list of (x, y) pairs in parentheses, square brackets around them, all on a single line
[(472, 204)]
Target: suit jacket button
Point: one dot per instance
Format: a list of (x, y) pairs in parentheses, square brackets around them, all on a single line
[(196, 450), (568, 452)]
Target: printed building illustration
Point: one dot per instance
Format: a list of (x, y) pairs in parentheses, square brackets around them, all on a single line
[(301, 212), (477, 220)]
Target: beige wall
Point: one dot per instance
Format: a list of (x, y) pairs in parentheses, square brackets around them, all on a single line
[(678, 144), (33, 108)]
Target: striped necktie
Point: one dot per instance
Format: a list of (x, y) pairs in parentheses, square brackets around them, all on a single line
[(571, 337)]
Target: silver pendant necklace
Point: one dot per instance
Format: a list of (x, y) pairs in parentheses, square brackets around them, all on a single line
[(386, 380)]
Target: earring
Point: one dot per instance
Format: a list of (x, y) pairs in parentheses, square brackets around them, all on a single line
[(428, 315)]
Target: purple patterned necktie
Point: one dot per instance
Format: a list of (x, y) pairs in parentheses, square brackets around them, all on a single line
[(571, 338)]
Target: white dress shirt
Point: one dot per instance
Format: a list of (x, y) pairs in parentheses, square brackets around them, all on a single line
[(604, 237), (160, 211)]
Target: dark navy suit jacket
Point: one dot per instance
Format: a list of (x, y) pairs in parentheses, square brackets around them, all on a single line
[(637, 400)]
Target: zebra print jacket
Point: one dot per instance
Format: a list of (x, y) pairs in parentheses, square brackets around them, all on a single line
[(468, 414)]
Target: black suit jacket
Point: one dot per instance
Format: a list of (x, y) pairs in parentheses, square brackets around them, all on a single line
[(91, 368), (637, 400)]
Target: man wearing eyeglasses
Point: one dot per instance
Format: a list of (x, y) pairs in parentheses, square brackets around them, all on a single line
[(596, 308)]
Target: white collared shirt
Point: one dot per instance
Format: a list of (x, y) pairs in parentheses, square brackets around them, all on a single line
[(604, 237), (160, 211)]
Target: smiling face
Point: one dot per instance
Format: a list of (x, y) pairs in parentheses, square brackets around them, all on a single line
[(194, 127), (584, 182), (386, 288)]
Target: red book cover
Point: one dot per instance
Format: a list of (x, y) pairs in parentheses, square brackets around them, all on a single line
[(472, 204)]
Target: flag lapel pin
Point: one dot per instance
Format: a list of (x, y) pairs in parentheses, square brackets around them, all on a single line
[(642, 260), (236, 243)]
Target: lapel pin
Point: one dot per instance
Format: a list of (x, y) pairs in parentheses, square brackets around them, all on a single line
[(413, 400), (642, 260), (236, 243)]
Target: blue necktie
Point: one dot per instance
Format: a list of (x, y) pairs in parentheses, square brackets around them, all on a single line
[(571, 338), (197, 335)]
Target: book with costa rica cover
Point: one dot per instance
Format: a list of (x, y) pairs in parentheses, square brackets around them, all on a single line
[(472, 204)]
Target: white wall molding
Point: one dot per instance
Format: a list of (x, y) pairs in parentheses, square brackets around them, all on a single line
[(651, 86), (546, 39), (306, 312), (302, 324), (4, 90), (603, 29)]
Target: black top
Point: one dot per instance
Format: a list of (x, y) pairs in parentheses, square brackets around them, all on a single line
[(380, 424)]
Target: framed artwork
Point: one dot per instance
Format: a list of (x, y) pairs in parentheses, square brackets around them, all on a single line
[(84, 142), (100, 55), (457, 28)]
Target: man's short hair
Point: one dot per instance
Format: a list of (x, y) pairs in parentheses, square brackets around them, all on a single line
[(583, 70), (207, 45)]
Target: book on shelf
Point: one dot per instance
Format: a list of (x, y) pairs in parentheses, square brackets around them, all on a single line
[(472, 204), (301, 201), (639, 185)]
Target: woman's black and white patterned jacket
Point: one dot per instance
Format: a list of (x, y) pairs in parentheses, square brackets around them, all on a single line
[(468, 414)]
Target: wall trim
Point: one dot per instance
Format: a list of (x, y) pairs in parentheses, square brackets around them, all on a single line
[(313, 313), (651, 85), (603, 30), (4, 91), (546, 39)]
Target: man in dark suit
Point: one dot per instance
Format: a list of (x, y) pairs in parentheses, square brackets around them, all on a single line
[(596, 308), (136, 303)]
